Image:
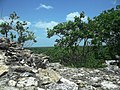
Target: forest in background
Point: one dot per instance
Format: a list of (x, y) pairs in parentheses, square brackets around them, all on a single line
[(101, 36)]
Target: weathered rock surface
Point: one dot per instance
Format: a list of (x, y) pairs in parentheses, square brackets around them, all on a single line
[(48, 76), (3, 69), (63, 84), (92, 79), (20, 69)]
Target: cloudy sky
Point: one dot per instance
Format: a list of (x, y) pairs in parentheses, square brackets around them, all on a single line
[(42, 14)]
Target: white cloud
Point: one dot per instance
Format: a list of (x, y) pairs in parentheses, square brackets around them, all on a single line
[(4, 19), (72, 15), (28, 23), (44, 6), (84, 19), (45, 25)]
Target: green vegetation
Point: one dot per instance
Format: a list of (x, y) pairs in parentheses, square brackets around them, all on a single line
[(100, 37), (16, 29), (56, 55), (102, 33)]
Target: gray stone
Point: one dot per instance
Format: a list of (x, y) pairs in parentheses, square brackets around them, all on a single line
[(40, 88), (3, 69), (109, 85), (12, 83), (8, 88), (64, 85), (48, 76), (28, 81)]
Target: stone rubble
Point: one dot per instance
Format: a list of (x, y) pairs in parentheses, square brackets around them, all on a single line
[(21, 69), (92, 79)]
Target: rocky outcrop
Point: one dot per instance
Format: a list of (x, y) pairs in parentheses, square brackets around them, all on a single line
[(3, 69), (91, 79), (21, 69)]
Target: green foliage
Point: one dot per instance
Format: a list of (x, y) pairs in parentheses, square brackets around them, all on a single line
[(5, 28), (13, 24), (104, 32), (70, 34), (107, 30), (57, 55)]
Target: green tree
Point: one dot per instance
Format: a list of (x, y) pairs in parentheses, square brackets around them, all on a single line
[(6, 26), (107, 30), (5, 29), (71, 34), (20, 27)]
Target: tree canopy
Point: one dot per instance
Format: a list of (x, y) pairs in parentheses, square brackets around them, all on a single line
[(102, 30), (13, 24)]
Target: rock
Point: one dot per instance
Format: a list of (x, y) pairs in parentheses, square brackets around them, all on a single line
[(40, 88), (95, 79), (28, 81), (22, 69), (23, 57), (109, 85), (31, 88), (1, 56), (12, 83), (4, 46), (27, 53), (96, 85), (48, 76), (55, 66), (8, 88), (3, 80), (111, 65), (3, 69), (64, 85), (81, 83)]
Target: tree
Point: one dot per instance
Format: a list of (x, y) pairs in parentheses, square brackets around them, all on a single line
[(71, 34), (107, 30), (20, 27), (6, 26), (103, 30), (5, 29)]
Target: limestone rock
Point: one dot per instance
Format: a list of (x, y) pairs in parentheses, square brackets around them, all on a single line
[(109, 85), (48, 76), (28, 81), (8, 88), (40, 88), (3, 69), (21, 68), (64, 85), (1, 56), (12, 83)]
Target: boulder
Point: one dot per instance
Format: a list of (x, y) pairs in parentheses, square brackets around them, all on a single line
[(3, 69), (27, 81), (22, 69), (12, 83), (109, 85), (8, 88), (63, 85), (2, 58), (48, 76)]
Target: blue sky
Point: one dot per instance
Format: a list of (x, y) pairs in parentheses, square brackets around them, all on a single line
[(42, 14)]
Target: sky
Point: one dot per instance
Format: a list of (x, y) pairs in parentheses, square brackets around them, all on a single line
[(42, 14)]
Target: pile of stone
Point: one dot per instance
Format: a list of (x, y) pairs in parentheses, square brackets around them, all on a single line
[(21, 69), (15, 55), (90, 79)]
